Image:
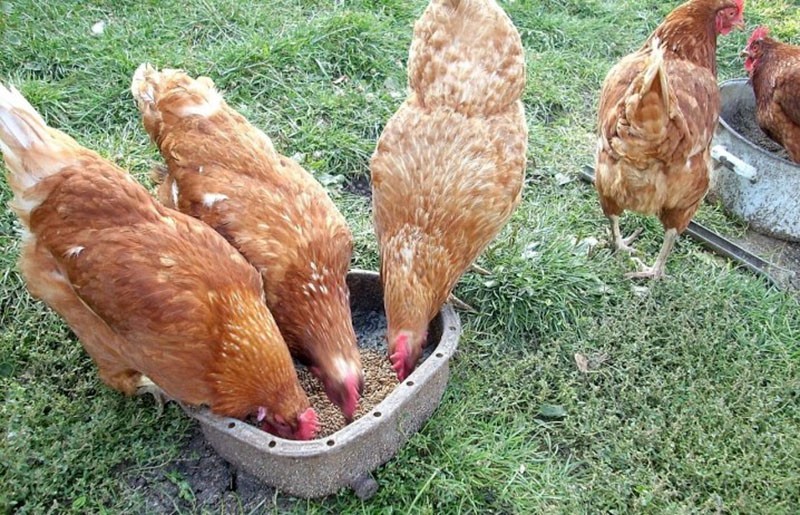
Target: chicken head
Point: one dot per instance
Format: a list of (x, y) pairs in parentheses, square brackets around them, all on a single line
[(304, 427), (730, 17)]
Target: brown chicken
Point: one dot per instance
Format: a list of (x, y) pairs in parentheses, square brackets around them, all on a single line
[(658, 110), (153, 295), (226, 172), (774, 70), (449, 167)]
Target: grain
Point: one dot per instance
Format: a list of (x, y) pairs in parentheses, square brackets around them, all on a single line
[(744, 122), (379, 381), (379, 378)]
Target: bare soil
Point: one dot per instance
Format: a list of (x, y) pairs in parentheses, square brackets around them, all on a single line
[(199, 477), (359, 185)]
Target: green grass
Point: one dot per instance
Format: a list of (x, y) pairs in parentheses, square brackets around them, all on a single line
[(694, 408)]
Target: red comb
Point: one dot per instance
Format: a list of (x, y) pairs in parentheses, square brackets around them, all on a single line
[(759, 33), (308, 425)]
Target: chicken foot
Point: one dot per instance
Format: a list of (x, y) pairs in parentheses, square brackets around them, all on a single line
[(460, 304), (146, 386), (657, 270), (622, 244), (478, 269)]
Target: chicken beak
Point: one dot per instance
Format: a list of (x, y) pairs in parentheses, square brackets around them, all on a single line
[(739, 25)]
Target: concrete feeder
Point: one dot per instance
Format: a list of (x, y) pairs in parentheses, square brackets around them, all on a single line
[(346, 458), (751, 177)]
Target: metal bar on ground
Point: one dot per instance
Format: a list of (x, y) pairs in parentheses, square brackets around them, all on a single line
[(715, 242)]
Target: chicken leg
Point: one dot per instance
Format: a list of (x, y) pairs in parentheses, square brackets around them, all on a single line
[(478, 269), (657, 270), (146, 386), (460, 304), (622, 244)]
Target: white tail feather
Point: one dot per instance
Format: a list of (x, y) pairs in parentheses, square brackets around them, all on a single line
[(15, 131), (143, 85), (175, 92), (31, 150)]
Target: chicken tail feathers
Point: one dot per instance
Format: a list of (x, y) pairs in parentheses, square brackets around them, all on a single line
[(171, 93), (144, 86), (167, 96), (648, 107), (655, 76), (32, 150)]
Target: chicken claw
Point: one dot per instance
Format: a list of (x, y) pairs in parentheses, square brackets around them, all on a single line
[(657, 270), (460, 304), (646, 272), (478, 269), (623, 244), (146, 386)]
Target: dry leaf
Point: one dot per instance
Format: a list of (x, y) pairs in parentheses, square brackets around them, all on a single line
[(582, 362), (562, 179)]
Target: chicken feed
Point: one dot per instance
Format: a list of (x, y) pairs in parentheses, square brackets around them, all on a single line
[(744, 122), (379, 381), (379, 377)]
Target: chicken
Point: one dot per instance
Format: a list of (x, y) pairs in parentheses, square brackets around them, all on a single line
[(227, 173), (153, 295), (774, 70), (658, 110), (448, 169)]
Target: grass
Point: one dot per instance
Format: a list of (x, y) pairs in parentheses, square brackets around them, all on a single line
[(695, 402)]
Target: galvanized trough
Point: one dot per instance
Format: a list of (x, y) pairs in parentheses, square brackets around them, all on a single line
[(346, 458), (758, 185)]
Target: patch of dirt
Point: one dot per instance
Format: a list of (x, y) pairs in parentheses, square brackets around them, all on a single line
[(359, 185), (744, 122), (200, 478)]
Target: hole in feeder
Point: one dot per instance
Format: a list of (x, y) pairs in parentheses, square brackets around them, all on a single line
[(330, 443), (231, 425), (439, 355), (272, 443), (452, 328), (409, 383), (376, 414)]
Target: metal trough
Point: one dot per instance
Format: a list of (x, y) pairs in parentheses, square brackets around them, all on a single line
[(344, 459), (753, 183)]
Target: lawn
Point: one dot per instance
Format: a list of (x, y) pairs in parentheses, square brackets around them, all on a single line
[(693, 403)]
